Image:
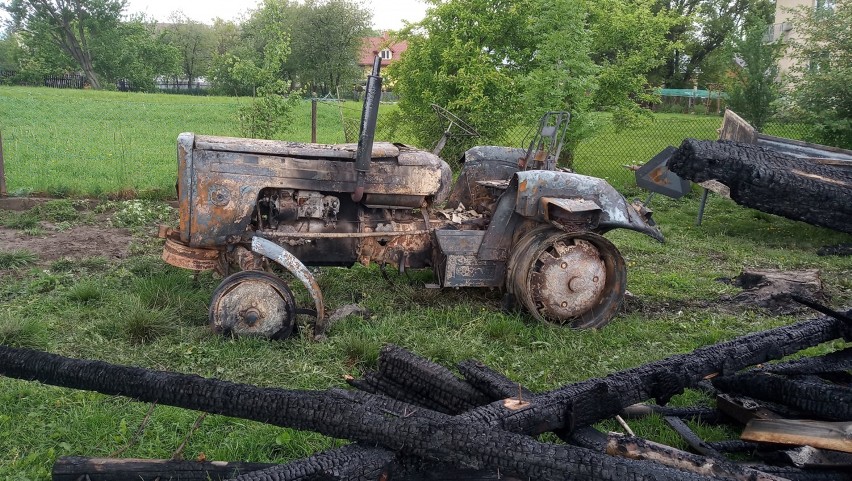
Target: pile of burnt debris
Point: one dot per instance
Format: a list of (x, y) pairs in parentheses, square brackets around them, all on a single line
[(413, 419)]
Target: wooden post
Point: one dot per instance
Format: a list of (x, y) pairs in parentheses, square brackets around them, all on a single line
[(2, 169), (313, 121)]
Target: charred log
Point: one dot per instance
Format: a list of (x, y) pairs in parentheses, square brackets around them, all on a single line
[(428, 379), (770, 181), (375, 383), (349, 463), (490, 382), (816, 398), (692, 439), (587, 402), (796, 474), (638, 448), (733, 446), (829, 363), (73, 468), (435, 437)]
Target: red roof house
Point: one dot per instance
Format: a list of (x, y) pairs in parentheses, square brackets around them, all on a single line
[(386, 47)]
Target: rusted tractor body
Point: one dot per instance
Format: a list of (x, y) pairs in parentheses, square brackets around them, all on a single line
[(246, 205)]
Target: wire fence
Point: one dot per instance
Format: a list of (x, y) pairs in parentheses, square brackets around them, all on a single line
[(126, 145)]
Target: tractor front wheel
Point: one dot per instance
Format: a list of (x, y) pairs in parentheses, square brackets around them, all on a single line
[(573, 279)]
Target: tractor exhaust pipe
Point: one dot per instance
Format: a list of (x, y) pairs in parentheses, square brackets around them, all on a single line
[(369, 116)]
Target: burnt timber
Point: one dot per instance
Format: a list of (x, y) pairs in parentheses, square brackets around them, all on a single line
[(771, 181), (489, 436)]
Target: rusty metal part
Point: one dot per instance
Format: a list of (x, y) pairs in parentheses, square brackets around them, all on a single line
[(287, 260), (565, 278), (253, 303), (180, 255)]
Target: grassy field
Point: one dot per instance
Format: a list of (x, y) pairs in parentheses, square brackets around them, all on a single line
[(88, 143), (142, 312)]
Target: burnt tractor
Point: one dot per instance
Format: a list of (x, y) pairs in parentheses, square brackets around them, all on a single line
[(529, 228)]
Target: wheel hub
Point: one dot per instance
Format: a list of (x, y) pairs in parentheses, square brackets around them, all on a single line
[(253, 303)]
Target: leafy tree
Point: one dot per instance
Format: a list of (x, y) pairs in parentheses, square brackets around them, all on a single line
[(486, 60), (710, 24), (9, 51), (70, 25), (195, 43), (326, 40), (754, 87), (629, 40), (822, 78), (132, 52)]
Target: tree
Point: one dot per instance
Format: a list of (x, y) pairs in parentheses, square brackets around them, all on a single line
[(326, 40), (709, 25), (494, 63), (195, 43), (822, 78), (629, 41), (754, 87), (70, 25)]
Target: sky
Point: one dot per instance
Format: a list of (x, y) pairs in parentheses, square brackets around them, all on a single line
[(387, 14)]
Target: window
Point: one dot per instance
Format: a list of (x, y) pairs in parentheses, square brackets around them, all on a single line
[(386, 54)]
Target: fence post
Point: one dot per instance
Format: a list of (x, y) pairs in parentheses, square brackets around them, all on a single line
[(313, 121), (2, 170)]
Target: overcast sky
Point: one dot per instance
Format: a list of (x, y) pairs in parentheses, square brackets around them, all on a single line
[(387, 14)]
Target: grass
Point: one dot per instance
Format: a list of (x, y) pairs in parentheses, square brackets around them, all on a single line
[(16, 259)]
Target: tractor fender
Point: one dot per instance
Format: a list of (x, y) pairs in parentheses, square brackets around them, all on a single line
[(542, 192), (293, 265)]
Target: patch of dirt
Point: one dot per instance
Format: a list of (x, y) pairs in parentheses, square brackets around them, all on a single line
[(79, 242)]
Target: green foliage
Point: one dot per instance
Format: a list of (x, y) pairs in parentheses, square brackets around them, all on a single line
[(706, 27), (87, 292), (754, 86), (822, 78), (57, 210), (195, 44), (269, 113), (137, 212), (629, 41), (327, 36), (476, 58), (16, 259)]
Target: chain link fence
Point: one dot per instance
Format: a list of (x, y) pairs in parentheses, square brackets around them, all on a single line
[(133, 155)]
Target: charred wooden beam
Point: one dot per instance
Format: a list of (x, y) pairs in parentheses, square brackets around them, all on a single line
[(74, 468), (743, 410), (771, 181), (819, 434), (428, 379), (796, 474), (375, 383), (434, 437), (816, 398), (833, 362), (638, 448), (733, 446), (349, 463), (691, 438), (490, 382), (587, 402)]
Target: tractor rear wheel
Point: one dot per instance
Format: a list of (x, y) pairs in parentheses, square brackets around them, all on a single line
[(573, 279), (253, 303)]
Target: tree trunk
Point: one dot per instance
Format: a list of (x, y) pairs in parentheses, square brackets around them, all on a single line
[(72, 468), (770, 181)]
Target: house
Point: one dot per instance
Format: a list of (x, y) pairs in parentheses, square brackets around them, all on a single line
[(783, 29), (386, 47)]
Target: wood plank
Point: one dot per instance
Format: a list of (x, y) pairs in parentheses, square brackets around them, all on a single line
[(819, 434)]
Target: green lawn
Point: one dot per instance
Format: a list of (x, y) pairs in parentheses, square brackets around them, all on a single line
[(142, 312), (89, 143)]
